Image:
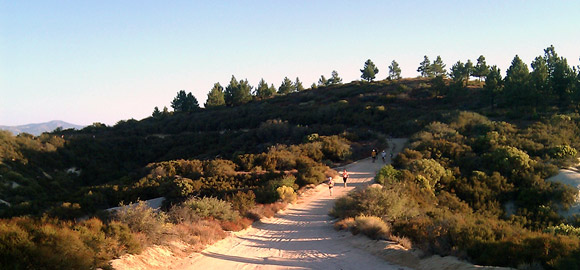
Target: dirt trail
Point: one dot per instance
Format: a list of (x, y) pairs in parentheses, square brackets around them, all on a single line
[(301, 237)]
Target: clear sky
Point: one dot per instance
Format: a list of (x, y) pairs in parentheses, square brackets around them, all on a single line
[(109, 60)]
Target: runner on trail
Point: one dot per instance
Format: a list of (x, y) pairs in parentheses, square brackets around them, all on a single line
[(383, 155), (344, 176), (330, 184), (374, 155)]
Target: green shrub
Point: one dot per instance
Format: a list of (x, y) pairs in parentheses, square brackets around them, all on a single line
[(243, 201), (335, 148), (287, 194), (212, 207), (563, 229), (387, 175), (268, 194), (143, 219), (387, 203), (429, 169)]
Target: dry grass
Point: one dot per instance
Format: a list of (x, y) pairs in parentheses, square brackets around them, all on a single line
[(373, 227), (403, 241), (344, 224), (266, 210)]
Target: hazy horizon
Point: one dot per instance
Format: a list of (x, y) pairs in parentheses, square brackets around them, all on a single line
[(106, 61)]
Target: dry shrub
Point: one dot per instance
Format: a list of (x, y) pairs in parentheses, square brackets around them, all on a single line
[(373, 227), (199, 234), (403, 241), (236, 225), (344, 224), (266, 210)]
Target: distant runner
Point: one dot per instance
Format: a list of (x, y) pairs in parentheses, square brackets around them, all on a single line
[(330, 184), (374, 155), (344, 176), (383, 155)]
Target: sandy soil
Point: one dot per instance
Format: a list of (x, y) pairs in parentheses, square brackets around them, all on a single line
[(302, 237)]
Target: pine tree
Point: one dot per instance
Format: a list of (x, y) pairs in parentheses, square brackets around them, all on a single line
[(516, 82), (457, 73), (424, 67), (322, 81), (468, 70), (156, 112), (263, 90), (539, 81), (493, 84), (334, 79), (286, 87), (481, 69), (369, 71), (237, 93), (184, 102), (394, 71), (230, 91), (298, 85), (437, 68), (215, 97)]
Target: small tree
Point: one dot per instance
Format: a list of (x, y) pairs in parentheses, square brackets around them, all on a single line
[(334, 79), (394, 71), (286, 87), (184, 102), (298, 85), (369, 71), (263, 90), (481, 69), (322, 81), (156, 112), (493, 84), (424, 67), (468, 70), (237, 93), (437, 68), (457, 73), (215, 97)]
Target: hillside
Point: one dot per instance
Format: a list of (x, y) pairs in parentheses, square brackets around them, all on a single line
[(37, 129), (220, 167)]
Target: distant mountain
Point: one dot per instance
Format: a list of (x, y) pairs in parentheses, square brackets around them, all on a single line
[(37, 129)]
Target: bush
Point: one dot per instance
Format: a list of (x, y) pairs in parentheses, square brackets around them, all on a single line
[(287, 194), (344, 224), (428, 172), (335, 148), (143, 219), (373, 227), (243, 201), (212, 207), (387, 203), (387, 175)]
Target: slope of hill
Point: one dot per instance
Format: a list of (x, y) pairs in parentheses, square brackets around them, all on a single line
[(37, 129), (466, 160)]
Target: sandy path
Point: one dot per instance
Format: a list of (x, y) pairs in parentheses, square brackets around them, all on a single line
[(301, 237)]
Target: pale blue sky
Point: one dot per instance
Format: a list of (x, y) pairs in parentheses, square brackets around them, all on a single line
[(105, 61)]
